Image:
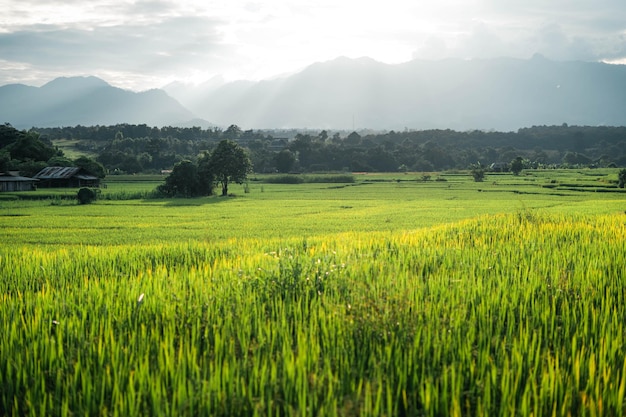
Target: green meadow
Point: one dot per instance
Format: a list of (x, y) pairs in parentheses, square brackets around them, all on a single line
[(395, 294), (374, 202)]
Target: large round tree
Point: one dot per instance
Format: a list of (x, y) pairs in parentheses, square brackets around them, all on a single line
[(228, 163), (182, 182)]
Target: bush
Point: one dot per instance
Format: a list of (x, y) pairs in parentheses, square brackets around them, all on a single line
[(478, 172), (285, 179), (338, 178), (300, 179), (186, 180), (86, 196), (621, 177)]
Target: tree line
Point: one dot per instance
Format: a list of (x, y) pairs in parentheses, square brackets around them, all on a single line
[(428, 150), (127, 148)]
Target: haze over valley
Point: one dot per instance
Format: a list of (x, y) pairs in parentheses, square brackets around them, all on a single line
[(347, 94), (500, 94)]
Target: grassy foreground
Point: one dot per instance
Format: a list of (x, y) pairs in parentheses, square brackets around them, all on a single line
[(387, 296), (497, 315)]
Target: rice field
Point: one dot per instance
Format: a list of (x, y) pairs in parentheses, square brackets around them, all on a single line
[(516, 312)]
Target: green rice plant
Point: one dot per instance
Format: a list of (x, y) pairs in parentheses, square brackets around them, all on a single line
[(300, 179), (497, 315)]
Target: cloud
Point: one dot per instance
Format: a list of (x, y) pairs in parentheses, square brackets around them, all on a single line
[(149, 48), (146, 43), (559, 29)]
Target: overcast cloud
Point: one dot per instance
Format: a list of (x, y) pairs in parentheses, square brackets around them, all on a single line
[(146, 44)]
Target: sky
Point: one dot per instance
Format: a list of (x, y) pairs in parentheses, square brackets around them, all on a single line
[(146, 44)]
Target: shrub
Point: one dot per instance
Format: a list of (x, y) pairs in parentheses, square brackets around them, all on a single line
[(86, 195), (285, 179), (338, 178), (300, 179), (478, 172), (621, 177), (517, 165)]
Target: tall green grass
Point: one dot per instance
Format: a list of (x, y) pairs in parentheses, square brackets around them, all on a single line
[(301, 179), (499, 315)]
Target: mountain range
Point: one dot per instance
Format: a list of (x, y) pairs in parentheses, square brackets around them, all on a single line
[(501, 94), (87, 101)]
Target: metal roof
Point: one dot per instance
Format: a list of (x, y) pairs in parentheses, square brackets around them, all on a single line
[(13, 176), (55, 173)]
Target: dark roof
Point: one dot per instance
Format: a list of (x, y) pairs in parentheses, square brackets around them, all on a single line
[(14, 176), (57, 173)]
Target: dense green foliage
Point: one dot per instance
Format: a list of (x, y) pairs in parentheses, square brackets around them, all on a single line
[(86, 195), (184, 181), (227, 163), (139, 148), (478, 172), (285, 161), (28, 153), (517, 165), (24, 151)]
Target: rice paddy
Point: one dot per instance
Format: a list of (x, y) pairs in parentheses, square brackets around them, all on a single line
[(390, 298)]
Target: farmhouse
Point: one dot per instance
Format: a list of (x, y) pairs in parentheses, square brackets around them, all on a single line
[(12, 181), (67, 177)]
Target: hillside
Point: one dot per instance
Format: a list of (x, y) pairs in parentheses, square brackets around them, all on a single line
[(502, 94), (86, 101), (496, 94)]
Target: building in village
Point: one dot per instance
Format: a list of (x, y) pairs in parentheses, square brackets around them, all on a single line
[(12, 181), (66, 177)]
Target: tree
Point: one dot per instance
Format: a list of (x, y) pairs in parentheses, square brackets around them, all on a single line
[(29, 146), (27, 168), (381, 160), (228, 163), (621, 177), (145, 160), (478, 172), (353, 139), (517, 165), (285, 160), (5, 160), (233, 132), (60, 161), (575, 158), (91, 166), (182, 182), (8, 135)]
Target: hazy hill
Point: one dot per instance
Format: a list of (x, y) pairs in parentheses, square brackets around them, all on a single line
[(502, 94), (86, 101)]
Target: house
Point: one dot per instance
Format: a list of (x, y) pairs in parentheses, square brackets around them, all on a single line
[(12, 181), (66, 177)]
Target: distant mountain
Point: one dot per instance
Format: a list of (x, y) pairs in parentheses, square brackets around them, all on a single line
[(87, 101), (501, 94)]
